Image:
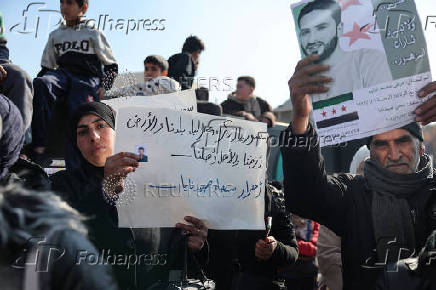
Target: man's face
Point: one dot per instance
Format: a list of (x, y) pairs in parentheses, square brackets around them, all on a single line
[(151, 71), (95, 139), (141, 152), (243, 90), (70, 10), (396, 150), (196, 57), (319, 33)]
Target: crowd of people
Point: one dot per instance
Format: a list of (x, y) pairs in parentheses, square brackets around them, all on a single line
[(369, 228)]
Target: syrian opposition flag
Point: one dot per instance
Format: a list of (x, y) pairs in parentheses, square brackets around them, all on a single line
[(335, 111), (360, 29)]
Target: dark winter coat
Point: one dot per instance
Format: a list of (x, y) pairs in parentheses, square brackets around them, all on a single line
[(182, 69), (81, 188), (230, 106), (233, 251), (343, 204)]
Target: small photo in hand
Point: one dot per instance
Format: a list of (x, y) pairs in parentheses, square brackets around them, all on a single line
[(142, 151)]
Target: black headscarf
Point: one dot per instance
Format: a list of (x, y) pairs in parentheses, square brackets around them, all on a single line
[(96, 108), (101, 110), (12, 135)]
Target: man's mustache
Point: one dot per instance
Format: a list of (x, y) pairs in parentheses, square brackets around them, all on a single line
[(314, 45), (401, 161)]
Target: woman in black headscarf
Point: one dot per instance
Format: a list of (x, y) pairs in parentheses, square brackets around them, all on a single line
[(92, 131)]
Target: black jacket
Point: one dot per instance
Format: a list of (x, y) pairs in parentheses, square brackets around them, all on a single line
[(233, 251), (162, 249), (230, 106), (341, 203), (4, 51), (30, 175), (182, 69)]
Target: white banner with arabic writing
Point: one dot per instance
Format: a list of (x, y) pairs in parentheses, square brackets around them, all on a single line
[(205, 166), (181, 101), (377, 57)]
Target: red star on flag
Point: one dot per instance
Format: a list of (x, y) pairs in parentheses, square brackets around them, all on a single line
[(334, 111), (344, 108), (324, 114), (90, 99), (358, 33), (347, 3)]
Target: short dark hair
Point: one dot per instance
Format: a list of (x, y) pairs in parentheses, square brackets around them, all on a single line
[(202, 94), (193, 44), (157, 60), (141, 148), (249, 80), (81, 2), (330, 5)]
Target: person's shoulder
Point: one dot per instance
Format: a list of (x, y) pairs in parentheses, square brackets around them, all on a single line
[(275, 196), (31, 175), (349, 182), (65, 178), (57, 32), (69, 268), (228, 102), (262, 101), (180, 57)]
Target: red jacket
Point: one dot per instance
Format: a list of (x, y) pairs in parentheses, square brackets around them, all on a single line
[(307, 246)]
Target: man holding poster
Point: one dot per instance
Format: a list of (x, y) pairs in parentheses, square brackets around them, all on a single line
[(381, 218), (387, 215)]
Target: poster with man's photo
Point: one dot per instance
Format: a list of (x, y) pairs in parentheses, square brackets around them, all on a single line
[(378, 59)]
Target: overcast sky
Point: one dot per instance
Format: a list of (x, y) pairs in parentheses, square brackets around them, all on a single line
[(255, 37)]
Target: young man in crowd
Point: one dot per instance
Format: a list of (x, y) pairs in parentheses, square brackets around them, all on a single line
[(243, 103), (183, 66)]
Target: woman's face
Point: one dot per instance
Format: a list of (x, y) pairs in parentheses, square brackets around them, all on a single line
[(95, 139)]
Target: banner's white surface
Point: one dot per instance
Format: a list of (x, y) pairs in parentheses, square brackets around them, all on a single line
[(205, 166)]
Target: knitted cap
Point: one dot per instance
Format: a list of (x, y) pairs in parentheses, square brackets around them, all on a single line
[(413, 128)]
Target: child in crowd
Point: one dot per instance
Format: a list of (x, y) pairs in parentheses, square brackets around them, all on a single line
[(155, 82), (72, 71)]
